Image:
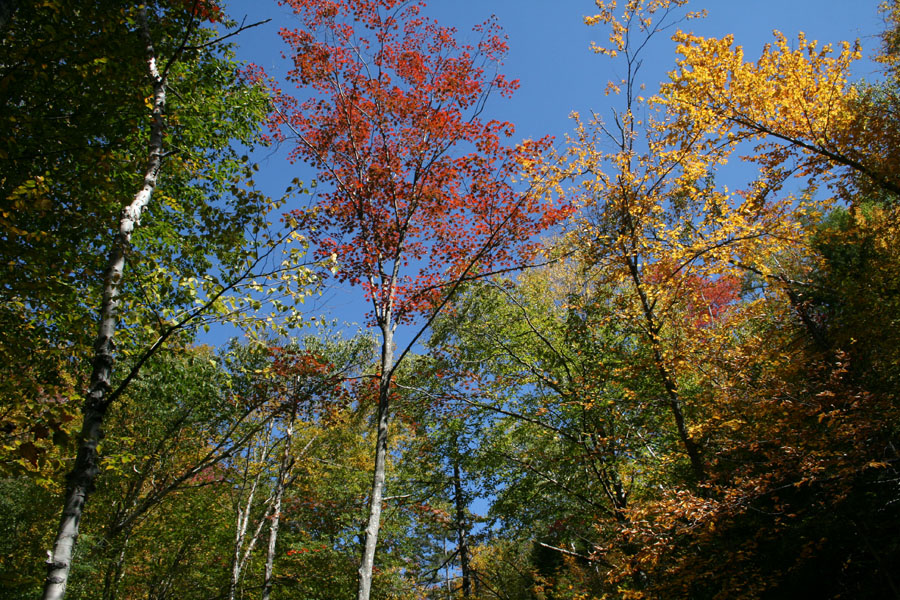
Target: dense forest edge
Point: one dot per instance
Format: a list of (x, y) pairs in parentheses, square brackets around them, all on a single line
[(654, 360)]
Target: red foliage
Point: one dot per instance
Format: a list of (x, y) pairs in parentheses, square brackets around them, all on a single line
[(300, 363), (709, 298), (210, 474), (314, 380), (205, 10), (704, 298), (307, 550), (421, 188)]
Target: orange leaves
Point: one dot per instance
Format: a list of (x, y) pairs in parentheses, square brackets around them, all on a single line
[(311, 64), (431, 512)]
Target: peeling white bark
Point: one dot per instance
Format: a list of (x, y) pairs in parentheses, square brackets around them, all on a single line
[(381, 443), (84, 473)]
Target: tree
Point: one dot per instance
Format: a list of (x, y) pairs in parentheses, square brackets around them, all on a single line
[(421, 196), (690, 300), (434, 474), (300, 394), (175, 429), (570, 439), (797, 103), (202, 248), (56, 209), (645, 206), (776, 402)]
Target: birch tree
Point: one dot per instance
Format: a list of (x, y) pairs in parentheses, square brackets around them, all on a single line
[(169, 266)]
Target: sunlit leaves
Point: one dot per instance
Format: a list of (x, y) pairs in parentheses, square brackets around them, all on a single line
[(421, 186), (795, 102)]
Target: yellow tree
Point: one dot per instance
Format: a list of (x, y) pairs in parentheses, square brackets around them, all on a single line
[(657, 226), (800, 116), (786, 409), (796, 103), (673, 246)]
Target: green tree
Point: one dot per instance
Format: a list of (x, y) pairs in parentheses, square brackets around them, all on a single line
[(561, 437), (121, 118)]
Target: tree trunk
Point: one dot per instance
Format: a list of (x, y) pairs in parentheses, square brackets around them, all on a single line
[(668, 381), (276, 504), (115, 571), (462, 529), (381, 443), (87, 465), (242, 553)]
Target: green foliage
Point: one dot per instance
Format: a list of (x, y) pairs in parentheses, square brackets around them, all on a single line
[(73, 140), (770, 324), (855, 291), (25, 509)]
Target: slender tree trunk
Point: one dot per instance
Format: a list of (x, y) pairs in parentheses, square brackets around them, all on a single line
[(84, 473), (242, 553), (448, 590), (160, 588), (240, 534), (276, 504), (115, 571), (462, 529), (270, 551), (674, 397), (381, 444)]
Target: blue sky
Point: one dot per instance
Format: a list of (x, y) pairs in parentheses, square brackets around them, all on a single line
[(550, 45), (550, 55)]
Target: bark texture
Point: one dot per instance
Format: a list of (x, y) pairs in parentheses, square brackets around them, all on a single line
[(375, 501), (87, 464), (244, 545)]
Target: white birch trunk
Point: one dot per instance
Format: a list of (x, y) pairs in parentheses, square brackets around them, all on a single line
[(276, 505), (242, 554), (84, 472), (378, 479)]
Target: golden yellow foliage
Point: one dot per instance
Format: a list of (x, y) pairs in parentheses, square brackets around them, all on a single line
[(654, 221), (795, 103)]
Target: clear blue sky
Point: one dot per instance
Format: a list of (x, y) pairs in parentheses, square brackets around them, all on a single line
[(550, 55), (549, 44)]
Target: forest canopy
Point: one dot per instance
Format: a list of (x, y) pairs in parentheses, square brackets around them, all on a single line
[(653, 358)]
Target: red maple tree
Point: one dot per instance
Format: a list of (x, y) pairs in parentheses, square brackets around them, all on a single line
[(421, 193), (421, 186)]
